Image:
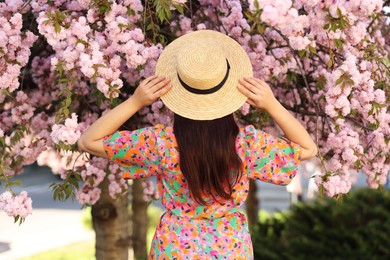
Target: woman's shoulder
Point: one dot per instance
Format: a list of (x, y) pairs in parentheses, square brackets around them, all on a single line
[(163, 133), (156, 129), (163, 130), (248, 130)]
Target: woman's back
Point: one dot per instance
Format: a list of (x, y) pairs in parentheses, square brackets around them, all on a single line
[(188, 227), (203, 75)]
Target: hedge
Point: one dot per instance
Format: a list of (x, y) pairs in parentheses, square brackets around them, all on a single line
[(358, 228)]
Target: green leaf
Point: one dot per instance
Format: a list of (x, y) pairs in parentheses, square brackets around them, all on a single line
[(339, 12), (330, 63), (326, 26), (358, 164), (312, 49), (16, 219), (68, 101), (291, 76), (66, 112), (149, 27), (339, 80), (63, 80), (261, 28), (130, 11), (57, 27), (179, 8), (68, 190)]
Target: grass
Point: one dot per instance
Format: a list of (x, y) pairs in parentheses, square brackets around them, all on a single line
[(84, 250)]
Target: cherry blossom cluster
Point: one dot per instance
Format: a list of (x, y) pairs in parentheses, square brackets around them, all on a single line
[(94, 173), (348, 95), (16, 205), (150, 192), (103, 53), (323, 60), (92, 176), (68, 133), (118, 185), (14, 49)]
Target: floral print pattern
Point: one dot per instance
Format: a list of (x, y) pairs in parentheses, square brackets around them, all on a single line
[(188, 230)]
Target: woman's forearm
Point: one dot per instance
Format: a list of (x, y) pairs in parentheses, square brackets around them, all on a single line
[(112, 120), (107, 124), (292, 129), (148, 91)]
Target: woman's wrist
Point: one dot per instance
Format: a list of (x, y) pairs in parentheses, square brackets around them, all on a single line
[(133, 103), (274, 107)]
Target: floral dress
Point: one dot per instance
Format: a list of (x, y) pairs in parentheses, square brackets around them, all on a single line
[(188, 230)]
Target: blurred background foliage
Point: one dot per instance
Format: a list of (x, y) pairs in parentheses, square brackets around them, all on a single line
[(357, 228)]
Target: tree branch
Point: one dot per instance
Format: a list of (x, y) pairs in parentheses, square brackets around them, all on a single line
[(324, 115)]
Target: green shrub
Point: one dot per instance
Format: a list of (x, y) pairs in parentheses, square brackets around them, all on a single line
[(358, 228)]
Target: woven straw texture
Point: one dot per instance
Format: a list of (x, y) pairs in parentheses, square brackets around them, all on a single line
[(200, 60)]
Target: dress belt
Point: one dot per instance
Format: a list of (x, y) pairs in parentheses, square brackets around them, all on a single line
[(227, 213)]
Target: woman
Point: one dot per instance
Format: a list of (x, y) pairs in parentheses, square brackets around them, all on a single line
[(203, 77)]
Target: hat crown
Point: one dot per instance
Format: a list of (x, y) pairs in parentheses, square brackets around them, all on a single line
[(201, 65)]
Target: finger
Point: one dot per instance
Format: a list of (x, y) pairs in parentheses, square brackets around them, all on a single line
[(257, 83), (249, 85), (155, 81), (148, 79), (244, 90), (251, 102), (159, 85), (162, 91), (261, 82)]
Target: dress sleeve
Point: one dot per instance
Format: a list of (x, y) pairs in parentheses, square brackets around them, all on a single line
[(136, 151), (271, 159)]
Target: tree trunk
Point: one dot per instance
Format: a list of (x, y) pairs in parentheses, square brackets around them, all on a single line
[(140, 220), (110, 220), (252, 204)]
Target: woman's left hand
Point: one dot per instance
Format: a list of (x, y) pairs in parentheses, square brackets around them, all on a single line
[(150, 89)]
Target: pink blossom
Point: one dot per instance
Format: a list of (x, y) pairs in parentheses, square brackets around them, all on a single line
[(150, 193), (298, 43), (88, 195), (107, 52), (380, 96), (68, 133), (19, 205), (245, 109), (270, 15), (335, 185), (177, 2)]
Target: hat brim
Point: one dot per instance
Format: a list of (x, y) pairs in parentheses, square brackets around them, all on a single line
[(205, 106)]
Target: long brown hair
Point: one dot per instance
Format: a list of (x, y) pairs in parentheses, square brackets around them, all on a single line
[(208, 156)]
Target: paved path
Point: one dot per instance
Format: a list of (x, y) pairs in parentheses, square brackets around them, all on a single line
[(43, 230), (52, 223)]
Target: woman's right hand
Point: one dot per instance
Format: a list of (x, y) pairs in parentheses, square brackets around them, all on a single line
[(150, 89), (258, 92)]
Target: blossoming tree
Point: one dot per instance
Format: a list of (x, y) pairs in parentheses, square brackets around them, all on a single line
[(64, 63)]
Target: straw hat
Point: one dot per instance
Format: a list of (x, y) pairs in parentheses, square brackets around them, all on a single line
[(204, 67)]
